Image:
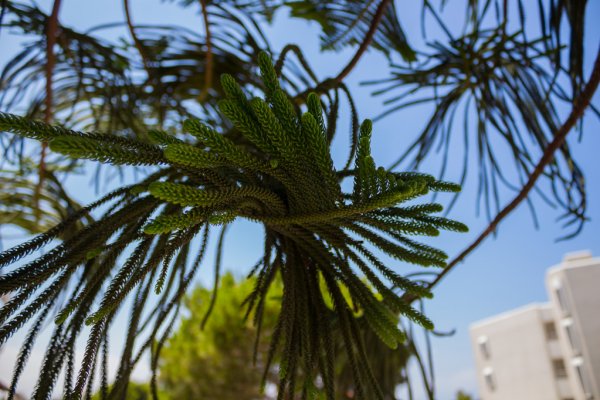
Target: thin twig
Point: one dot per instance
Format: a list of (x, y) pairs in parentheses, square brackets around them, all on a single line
[(504, 18), (51, 32), (208, 71), (580, 105), (136, 40), (366, 41), (3, 12), (330, 83)]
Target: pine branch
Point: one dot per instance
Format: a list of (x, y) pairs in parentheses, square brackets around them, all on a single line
[(51, 32), (577, 112), (136, 40), (209, 68), (329, 83), (278, 172), (364, 45)]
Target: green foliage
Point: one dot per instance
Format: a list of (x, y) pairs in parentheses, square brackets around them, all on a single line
[(35, 210), (101, 88), (107, 152), (388, 365), (267, 160), (225, 359), (497, 74), (316, 239), (174, 222), (507, 78), (460, 395), (135, 391), (218, 361)]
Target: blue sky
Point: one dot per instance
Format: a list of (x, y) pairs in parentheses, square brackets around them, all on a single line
[(503, 273)]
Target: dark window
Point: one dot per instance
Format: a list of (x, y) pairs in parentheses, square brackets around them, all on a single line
[(550, 330), (489, 380), (560, 295), (571, 335), (484, 347), (560, 371), (583, 380)]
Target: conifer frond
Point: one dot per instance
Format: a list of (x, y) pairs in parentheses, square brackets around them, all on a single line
[(171, 222), (189, 156), (278, 172), (161, 137), (495, 75), (112, 153), (345, 23)]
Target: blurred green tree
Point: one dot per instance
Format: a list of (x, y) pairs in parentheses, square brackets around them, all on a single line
[(135, 391), (216, 361), (460, 395)]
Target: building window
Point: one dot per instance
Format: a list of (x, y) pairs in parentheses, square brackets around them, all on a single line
[(571, 335), (559, 291), (484, 347), (560, 371), (550, 330), (488, 376), (582, 377)]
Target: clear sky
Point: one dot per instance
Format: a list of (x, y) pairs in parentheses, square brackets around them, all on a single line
[(503, 273)]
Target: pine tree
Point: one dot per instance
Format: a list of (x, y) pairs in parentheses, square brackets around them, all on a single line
[(278, 173), (214, 153)]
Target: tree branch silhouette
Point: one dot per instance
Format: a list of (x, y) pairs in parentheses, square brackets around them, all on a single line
[(329, 83), (136, 40), (581, 104), (51, 32), (208, 73), (365, 43)]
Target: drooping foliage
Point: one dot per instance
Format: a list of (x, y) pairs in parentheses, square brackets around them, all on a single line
[(34, 211), (225, 359), (151, 236), (531, 53), (346, 23), (499, 75), (280, 175), (97, 86)]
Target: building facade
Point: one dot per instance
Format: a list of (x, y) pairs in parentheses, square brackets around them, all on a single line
[(545, 351)]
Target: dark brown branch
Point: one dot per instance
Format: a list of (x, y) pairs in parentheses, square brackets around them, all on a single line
[(504, 19), (4, 6), (331, 83), (51, 33), (208, 72), (366, 41), (136, 40), (580, 105)]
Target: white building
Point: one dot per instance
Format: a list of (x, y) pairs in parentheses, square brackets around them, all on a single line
[(545, 351)]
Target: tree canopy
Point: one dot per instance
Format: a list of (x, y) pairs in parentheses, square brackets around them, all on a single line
[(224, 358), (218, 126), (216, 360)]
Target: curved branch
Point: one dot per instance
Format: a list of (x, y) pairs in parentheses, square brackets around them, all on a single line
[(330, 83), (136, 40), (51, 32), (366, 41), (208, 72), (580, 105), (4, 5)]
